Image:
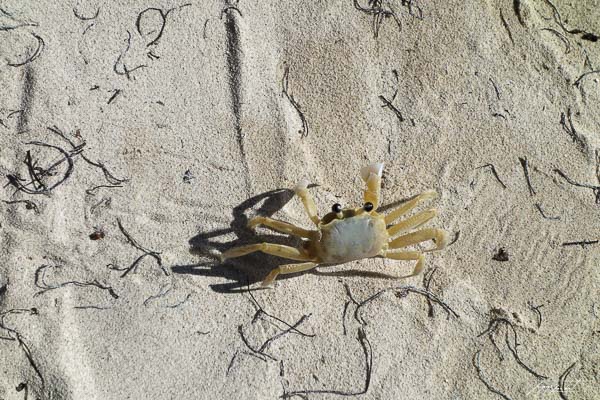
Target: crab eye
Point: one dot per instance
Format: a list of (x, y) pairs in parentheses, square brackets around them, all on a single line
[(336, 208), (368, 206)]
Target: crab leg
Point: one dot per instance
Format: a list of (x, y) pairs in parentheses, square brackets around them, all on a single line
[(281, 227), (440, 237), (301, 190), (413, 222), (409, 205), (287, 269), (269, 248), (371, 174), (408, 255)]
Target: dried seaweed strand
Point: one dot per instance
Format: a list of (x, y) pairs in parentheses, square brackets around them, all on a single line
[(114, 181), (36, 53), (482, 378), (505, 24), (16, 336), (539, 207), (260, 310), (107, 175), (267, 342), (492, 328), (180, 303), (30, 205), (125, 71), (388, 104), (427, 277), (116, 92), (404, 290), (513, 350), (525, 165), (595, 189), (494, 172), (561, 37), (40, 282), (163, 291), (344, 317), (558, 19), (578, 81), (454, 240), (537, 311), (163, 23), (249, 346), (94, 190), (379, 14), (134, 243), (561, 382), (579, 140), (581, 243), (83, 18), (368, 353), (284, 84), (16, 181)]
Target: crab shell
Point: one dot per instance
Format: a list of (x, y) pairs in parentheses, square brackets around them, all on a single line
[(351, 235)]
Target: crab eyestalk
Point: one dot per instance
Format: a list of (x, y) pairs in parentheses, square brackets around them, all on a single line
[(337, 209), (371, 174)]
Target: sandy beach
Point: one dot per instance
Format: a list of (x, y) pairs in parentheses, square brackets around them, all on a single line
[(137, 139)]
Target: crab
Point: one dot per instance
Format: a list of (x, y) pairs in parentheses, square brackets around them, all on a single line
[(349, 234)]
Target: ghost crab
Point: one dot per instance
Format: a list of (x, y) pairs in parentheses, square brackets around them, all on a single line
[(348, 234)]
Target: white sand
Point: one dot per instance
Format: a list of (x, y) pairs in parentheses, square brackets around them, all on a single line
[(204, 135)]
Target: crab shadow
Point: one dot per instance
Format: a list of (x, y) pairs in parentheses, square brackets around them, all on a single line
[(244, 272)]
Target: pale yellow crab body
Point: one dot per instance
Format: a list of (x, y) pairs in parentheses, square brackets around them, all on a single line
[(348, 234), (354, 238)]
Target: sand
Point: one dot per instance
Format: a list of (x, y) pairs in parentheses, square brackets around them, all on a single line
[(137, 138)]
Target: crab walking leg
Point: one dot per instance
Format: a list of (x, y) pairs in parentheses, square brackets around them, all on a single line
[(409, 205), (269, 248), (440, 237), (408, 255), (301, 190), (371, 174), (281, 226), (413, 222), (287, 269)]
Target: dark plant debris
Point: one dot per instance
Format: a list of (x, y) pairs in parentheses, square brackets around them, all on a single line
[(595, 189), (512, 345), (566, 122), (381, 12), (30, 205), (13, 335), (146, 253), (36, 173), (40, 282), (97, 234), (525, 165), (286, 93), (538, 313), (483, 379), (36, 53), (539, 207), (501, 255), (561, 381), (585, 35), (81, 17), (494, 172), (581, 243)]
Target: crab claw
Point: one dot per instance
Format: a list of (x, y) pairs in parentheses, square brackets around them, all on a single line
[(376, 169), (302, 185)]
